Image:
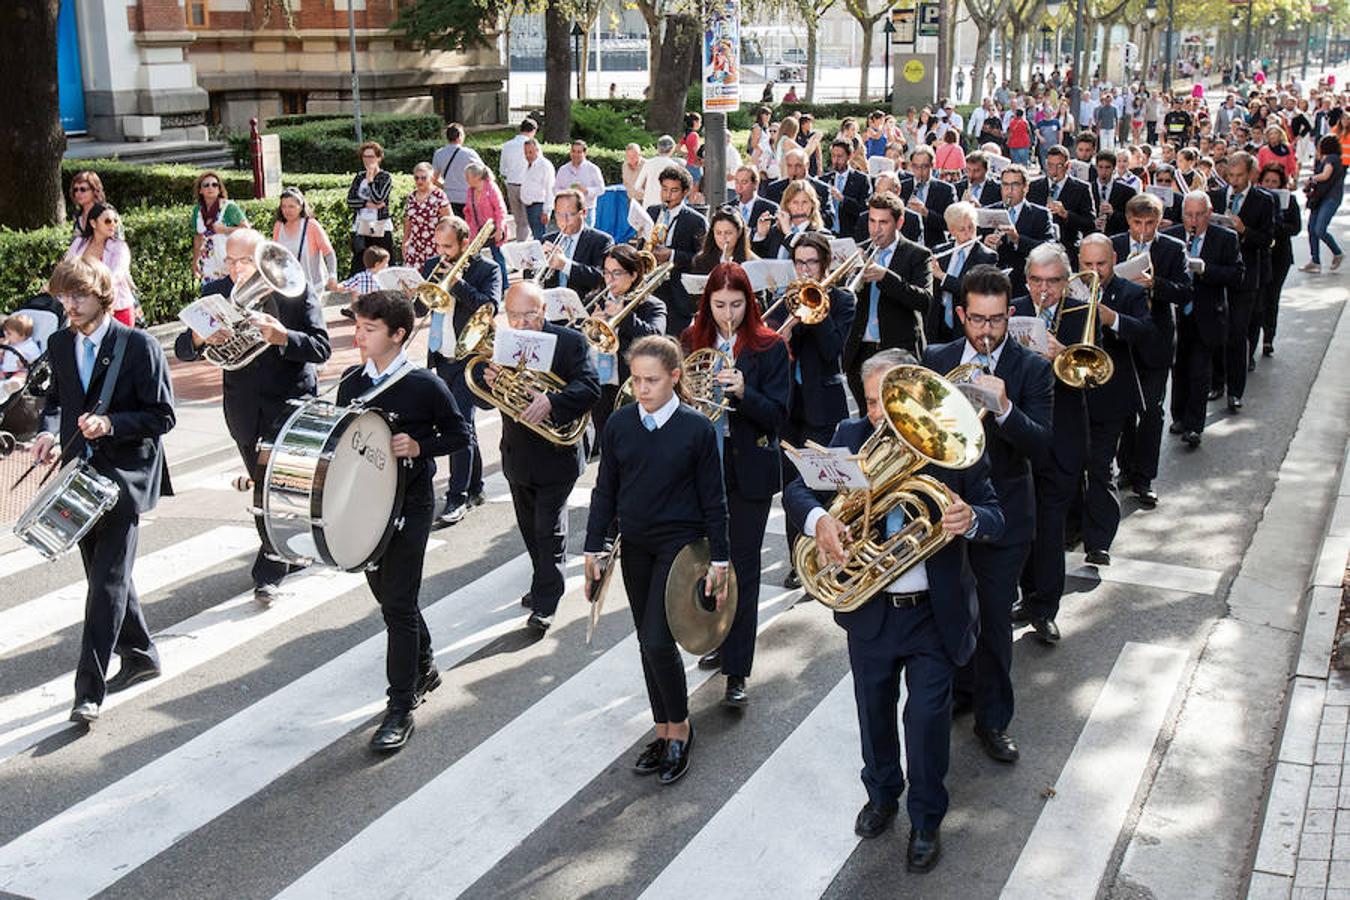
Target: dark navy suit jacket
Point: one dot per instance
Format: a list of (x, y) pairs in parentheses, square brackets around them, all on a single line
[(1171, 288), (1122, 395), (1224, 272), (950, 583), (818, 350), (481, 285), (754, 420), (587, 260)]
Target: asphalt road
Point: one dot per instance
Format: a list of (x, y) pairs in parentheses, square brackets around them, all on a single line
[(244, 771)]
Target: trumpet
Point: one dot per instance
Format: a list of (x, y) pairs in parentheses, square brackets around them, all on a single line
[(602, 334), (647, 249), (541, 273), (1084, 364), (856, 282), (435, 292)]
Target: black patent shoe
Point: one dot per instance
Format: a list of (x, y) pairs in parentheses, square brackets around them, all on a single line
[(676, 761), (873, 820), (925, 848), (711, 661), (792, 580), (394, 731), (736, 695), (428, 681), (998, 744), (649, 760)]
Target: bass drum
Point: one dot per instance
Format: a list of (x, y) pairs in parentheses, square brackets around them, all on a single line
[(330, 487)]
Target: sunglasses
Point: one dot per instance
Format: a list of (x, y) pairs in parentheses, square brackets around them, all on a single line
[(210, 184), (81, 189)]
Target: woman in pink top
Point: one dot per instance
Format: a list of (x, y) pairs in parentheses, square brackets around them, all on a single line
[(1278, 151), (100, 241), (484, 204), (951, 159), (296, 229)]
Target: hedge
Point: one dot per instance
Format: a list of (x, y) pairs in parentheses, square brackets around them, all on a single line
[(161, 250)]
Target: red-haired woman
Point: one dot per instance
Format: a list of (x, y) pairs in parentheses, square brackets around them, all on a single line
[(756, 386)]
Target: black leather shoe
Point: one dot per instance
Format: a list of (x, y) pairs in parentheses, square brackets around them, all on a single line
[(649, 760), (1097, 558), (1268, 350), (1234, 404), (538, 623), (1147, 497), (129, 675), (1175, 428), (85, 712), (1192, 439), (1251, 364), (526, 599), (711, 661), (394, 730), (676, 761), (997, 744), (1046, 630), (925, 848), (792, 580), (477, 499), (1214, 394), (428, 681), (873, 820), (1021, 615), (736, 695)]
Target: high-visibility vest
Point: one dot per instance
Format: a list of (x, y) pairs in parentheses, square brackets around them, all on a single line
[(1345, 147)]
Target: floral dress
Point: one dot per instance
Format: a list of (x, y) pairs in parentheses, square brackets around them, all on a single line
[(421, 217), (211, 256)]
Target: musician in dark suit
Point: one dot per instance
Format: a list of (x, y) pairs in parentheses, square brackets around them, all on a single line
[(930, 197), (1274, 178), (924, 622), (977, 188), (895, 290), (794, 169), (480, 284), (1015, 437), (542, 473), (1126, 327), (950, 262), (1059, 474), (623, 272), (1169, 289), (1030, 227), (1109, 194), (426, 424), (1254, 213), (256, 398), (911, 229), (756, 386), (681, 231), (580, 248), (849, 190), (818, 402), (750, 205), (1214, 260), (110, 402), (1068, 199)]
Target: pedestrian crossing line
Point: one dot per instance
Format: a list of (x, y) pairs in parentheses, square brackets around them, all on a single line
[(20, 560), (1145, 573), (88, 847), (791, 822), (552, 750), (1068, 850), (496, 489), (37, 618), (34, 715)]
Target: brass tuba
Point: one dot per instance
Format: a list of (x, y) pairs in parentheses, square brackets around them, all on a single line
[(435, 291), (277, 270), (927, 420), (514, 388), (1084, 364), (602, 334)]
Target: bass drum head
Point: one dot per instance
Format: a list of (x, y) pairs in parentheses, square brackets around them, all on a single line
[(359, 492)]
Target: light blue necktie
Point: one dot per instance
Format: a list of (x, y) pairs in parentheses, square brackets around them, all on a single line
[(953, 271), (1012, 214), (378, 379), (87, 362), (745, 213), (1195, 254), (982, 360), (921, 191), (649, 421), (1054, 192), (895, 520), (873, 332), (565, 247), (1048, 316), (434, 336), (1236, 203), (839, 180)]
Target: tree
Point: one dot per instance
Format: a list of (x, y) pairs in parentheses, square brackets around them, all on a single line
[(653, 13), (1022, 18), (32, 141), (558, 65), (867, 20), (811, 11), (680, 48), (987, 16)]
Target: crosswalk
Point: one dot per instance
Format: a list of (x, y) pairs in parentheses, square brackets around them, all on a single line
[(790, 816)]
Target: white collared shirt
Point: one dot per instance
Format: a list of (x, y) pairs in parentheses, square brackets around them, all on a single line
[(662, 415), (371, 372), (512, 163), (586, 176), (97, 337), (536, 183)]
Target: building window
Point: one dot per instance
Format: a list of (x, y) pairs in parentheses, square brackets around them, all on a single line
[(293, 103), (197, 15)]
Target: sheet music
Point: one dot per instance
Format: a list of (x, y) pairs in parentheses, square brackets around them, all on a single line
[(997, 163), (992, 218), (1165, 194), (876, 165), (841, 249), (1282, 196), (1030, 332), (827, 468), (638, 218), (1080, 170), (1133, 267), (535, 348), (207, 315), (398, 278), (562, 303), (770, 274), (522, 255), (693, 284), (980, 397), (1221, 219)]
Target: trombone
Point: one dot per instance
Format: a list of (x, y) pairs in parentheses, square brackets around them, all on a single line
[(1084, 364), (602, 334), (808, 300), (435, 292)]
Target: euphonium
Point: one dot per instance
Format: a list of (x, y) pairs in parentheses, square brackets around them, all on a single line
[(513, 389), (602, 334), (927, 420), (277, 270), (435, 291), (1084, 364)]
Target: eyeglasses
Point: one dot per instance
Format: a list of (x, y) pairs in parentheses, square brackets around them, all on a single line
[(813, 263), (420, 178), (210, 184), (231, 261), (980, 321), (613, 273), (1032, 279), (81, 189)]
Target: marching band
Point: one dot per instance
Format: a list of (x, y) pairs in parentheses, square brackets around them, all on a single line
[(1048, 313)]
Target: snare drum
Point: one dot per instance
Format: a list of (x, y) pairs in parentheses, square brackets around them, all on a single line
[(329, 487), (66, 508)]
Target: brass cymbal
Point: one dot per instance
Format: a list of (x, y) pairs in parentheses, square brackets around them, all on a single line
[(697, 628)]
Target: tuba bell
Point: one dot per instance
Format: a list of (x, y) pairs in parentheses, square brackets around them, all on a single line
[(927, 420), (277, 270), (1084, 364)]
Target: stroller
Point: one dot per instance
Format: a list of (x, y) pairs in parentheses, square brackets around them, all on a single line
[(21, 410)]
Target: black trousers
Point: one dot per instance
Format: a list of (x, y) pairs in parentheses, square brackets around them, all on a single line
[(1141, 438), (1190, 376), (797, 432), (541, 516), (1058, 481), (466, 465), (266, 571), (1270, 309), (1230, 360), (1101, 507), (644, 572), (747, 519), (987, 679), (602, 410), (113, 620), (395, 584), (908, 644)]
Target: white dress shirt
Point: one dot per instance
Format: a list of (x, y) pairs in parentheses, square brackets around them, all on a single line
[(969, 354), (663, 414), (536, 184), (512, 162), (586, 177)]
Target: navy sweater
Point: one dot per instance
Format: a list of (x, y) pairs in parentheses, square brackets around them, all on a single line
[(665, 486), (424, 410)]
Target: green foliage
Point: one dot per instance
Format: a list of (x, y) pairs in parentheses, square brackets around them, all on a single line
[(448, 24), (328, 144), (606, 126)]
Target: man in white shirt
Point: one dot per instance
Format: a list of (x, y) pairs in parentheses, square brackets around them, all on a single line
[(580, 173), (513, 171), (449, 163), (536, 188), (648, 182)]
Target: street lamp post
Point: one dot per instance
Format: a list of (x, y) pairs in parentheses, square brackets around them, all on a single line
[(1046, 31), (356, 78), (1075, 92), (1150, 13), (1236, 22), (576, 55), (888, 29), (1307, 39)]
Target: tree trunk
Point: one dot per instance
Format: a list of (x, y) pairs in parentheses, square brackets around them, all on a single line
[(665, 114), (866, 27), (652, 17), (982, 31), (584, 64), (946, 47), (31, 139), (1019, 57), (812, 51), (558, 64), (1106, 50)]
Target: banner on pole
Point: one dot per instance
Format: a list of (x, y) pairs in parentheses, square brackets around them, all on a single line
[(721, 56)]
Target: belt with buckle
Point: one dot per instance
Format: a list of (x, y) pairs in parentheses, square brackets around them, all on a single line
[(907, 601)]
